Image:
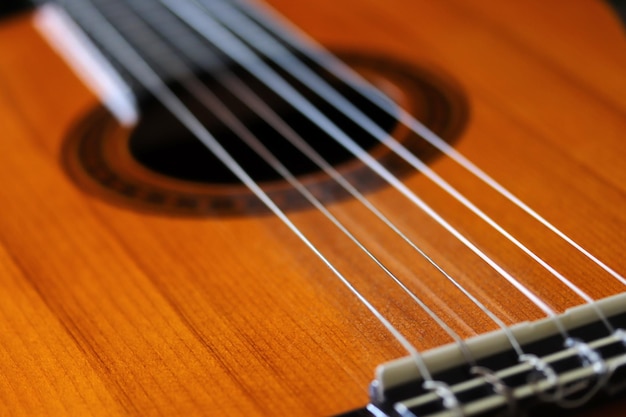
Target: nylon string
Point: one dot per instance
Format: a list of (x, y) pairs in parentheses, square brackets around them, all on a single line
[(237, 86), (298, 39), (96, 24), (228, 43), (247, 29), (139, 67)]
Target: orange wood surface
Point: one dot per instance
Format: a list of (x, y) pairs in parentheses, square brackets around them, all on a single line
[(108, 311)]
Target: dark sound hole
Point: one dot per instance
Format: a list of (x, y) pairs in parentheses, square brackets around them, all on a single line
[(163, 144), (95, 153)]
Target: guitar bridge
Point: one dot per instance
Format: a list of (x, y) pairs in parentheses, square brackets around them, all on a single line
[(557, 370)]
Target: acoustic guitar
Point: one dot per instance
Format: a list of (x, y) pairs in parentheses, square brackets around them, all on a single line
[(359, 208)]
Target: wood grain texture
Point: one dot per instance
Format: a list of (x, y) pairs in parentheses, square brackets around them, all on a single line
[(106, 311)]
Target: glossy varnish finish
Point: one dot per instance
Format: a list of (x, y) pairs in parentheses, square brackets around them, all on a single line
[(108, 311)]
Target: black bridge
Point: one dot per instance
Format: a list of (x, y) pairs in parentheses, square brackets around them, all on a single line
[(558, 376)]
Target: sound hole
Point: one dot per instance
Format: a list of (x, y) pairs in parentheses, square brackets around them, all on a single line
[(163, 144), (159, 166)]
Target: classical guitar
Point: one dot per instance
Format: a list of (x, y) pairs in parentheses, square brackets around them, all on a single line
[(359, 208)]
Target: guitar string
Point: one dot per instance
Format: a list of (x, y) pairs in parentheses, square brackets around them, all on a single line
[(433, 385), (439, 388), (521, 356), (564, 332), (429, 385), (599, 313), (299, 70), (267, 46), (453, 336), (92, 21), (244, 57), (205, 96), (346, 74), (246, 95), (192, 116), (192, 88), (145, 14), (313, 50)]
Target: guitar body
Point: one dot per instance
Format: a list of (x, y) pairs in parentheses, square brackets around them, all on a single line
[(110, 311)]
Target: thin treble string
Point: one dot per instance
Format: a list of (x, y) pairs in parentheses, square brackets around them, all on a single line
[(238, 87), (531, 359), (205, 96), (248, 30), (320, 55), (95, 23), (213, 31)]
